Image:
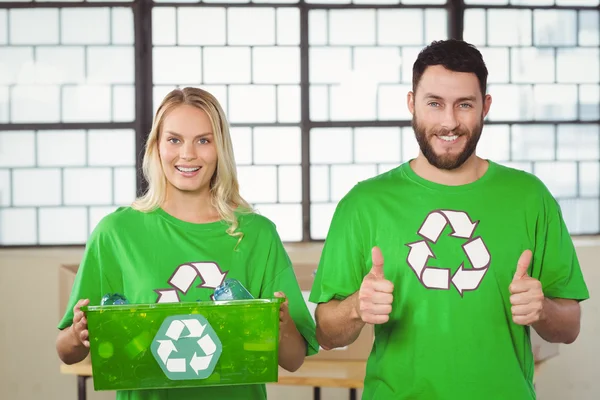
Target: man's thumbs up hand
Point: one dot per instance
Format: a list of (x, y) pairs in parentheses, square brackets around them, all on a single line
[(375, 295), (527, 297)]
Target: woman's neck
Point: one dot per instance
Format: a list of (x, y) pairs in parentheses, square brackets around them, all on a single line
[(190, 207)]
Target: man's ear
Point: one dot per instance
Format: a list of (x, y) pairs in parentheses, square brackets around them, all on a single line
[(410, 102), (487, 103)]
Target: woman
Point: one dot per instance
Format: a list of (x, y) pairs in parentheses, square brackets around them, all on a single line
[(191, 212)]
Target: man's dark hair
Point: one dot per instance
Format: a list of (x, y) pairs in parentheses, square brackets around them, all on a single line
[(454, 55)]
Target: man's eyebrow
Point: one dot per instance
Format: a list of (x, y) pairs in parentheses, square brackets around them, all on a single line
[(461, 99), (433, 96)]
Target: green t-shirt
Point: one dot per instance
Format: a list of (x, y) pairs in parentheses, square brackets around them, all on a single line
[(136, 254), (450, 334)]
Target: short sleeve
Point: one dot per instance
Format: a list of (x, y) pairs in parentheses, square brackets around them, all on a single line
[(555, 260), (342, 264), (92, 281), (285, 281)]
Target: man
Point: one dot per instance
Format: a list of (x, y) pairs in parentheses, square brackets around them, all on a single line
[(476, 254)]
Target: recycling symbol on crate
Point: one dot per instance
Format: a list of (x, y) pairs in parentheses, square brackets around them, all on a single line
[(186, 347), (474, 248)]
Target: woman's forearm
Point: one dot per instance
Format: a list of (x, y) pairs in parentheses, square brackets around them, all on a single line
[(292, 349)]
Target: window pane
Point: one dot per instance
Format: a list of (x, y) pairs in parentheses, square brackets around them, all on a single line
[(85, 25), (377, 145), (560, 177), (589, 32), (26, 221), (288, 26), (497, 62), (232, 53), (589, 102), (200, 26), (34, 26), (579, 65), (66, 64), (494, 143), (258, 183), (530, 64), (589, 179), (360, 153), (555, 102), (535, 142), (511, 102), (3, 26), (251, 26), (63, 225), (226, 65), (63, 174), (17, 149), (261, 108), (285, 70), (543, 66), (555, 27), (87, 186), (287, 219), (344, 177), (61, 148), (320, 219), (187, 70), (509, 28), (475, 27), (361, 60), (581, 215), (285, 140), (249, 59), (579, 142)]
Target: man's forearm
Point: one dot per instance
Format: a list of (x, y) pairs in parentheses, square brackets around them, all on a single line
[(338, 322), (560, 321)]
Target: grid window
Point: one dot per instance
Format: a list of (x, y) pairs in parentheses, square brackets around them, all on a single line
[(361, 60), (360, 64), (56, 185), (543, 66), (65, 72), (249, 58), (360, 153), (66, 65), (68, 106)]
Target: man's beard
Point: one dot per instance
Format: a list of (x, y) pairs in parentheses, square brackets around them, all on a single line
[(446, 161)]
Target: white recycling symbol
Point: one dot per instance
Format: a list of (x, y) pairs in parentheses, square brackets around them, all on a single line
[(187, 356), (185, 275), (475, 250)]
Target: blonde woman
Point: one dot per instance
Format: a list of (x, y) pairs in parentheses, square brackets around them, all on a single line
[(191, 212)]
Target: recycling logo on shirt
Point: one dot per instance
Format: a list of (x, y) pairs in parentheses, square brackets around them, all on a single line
[(475, 250), (186, 347), (184, 276)]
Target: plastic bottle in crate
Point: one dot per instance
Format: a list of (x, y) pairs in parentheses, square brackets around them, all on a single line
[(231, 289)]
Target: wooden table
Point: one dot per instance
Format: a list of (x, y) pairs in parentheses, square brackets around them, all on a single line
[(314, 373)]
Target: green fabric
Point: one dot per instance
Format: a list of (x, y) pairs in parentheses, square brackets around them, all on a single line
[(136, 254), (439, 344)]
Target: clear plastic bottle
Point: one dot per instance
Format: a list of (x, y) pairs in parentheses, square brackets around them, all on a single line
[(231, 289)]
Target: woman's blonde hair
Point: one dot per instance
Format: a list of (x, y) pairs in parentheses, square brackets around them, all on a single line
[(224, 186)]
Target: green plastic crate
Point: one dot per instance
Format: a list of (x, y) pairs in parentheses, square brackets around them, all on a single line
[(174, 345)]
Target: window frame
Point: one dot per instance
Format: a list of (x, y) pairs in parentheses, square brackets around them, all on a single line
[(143, 82)]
